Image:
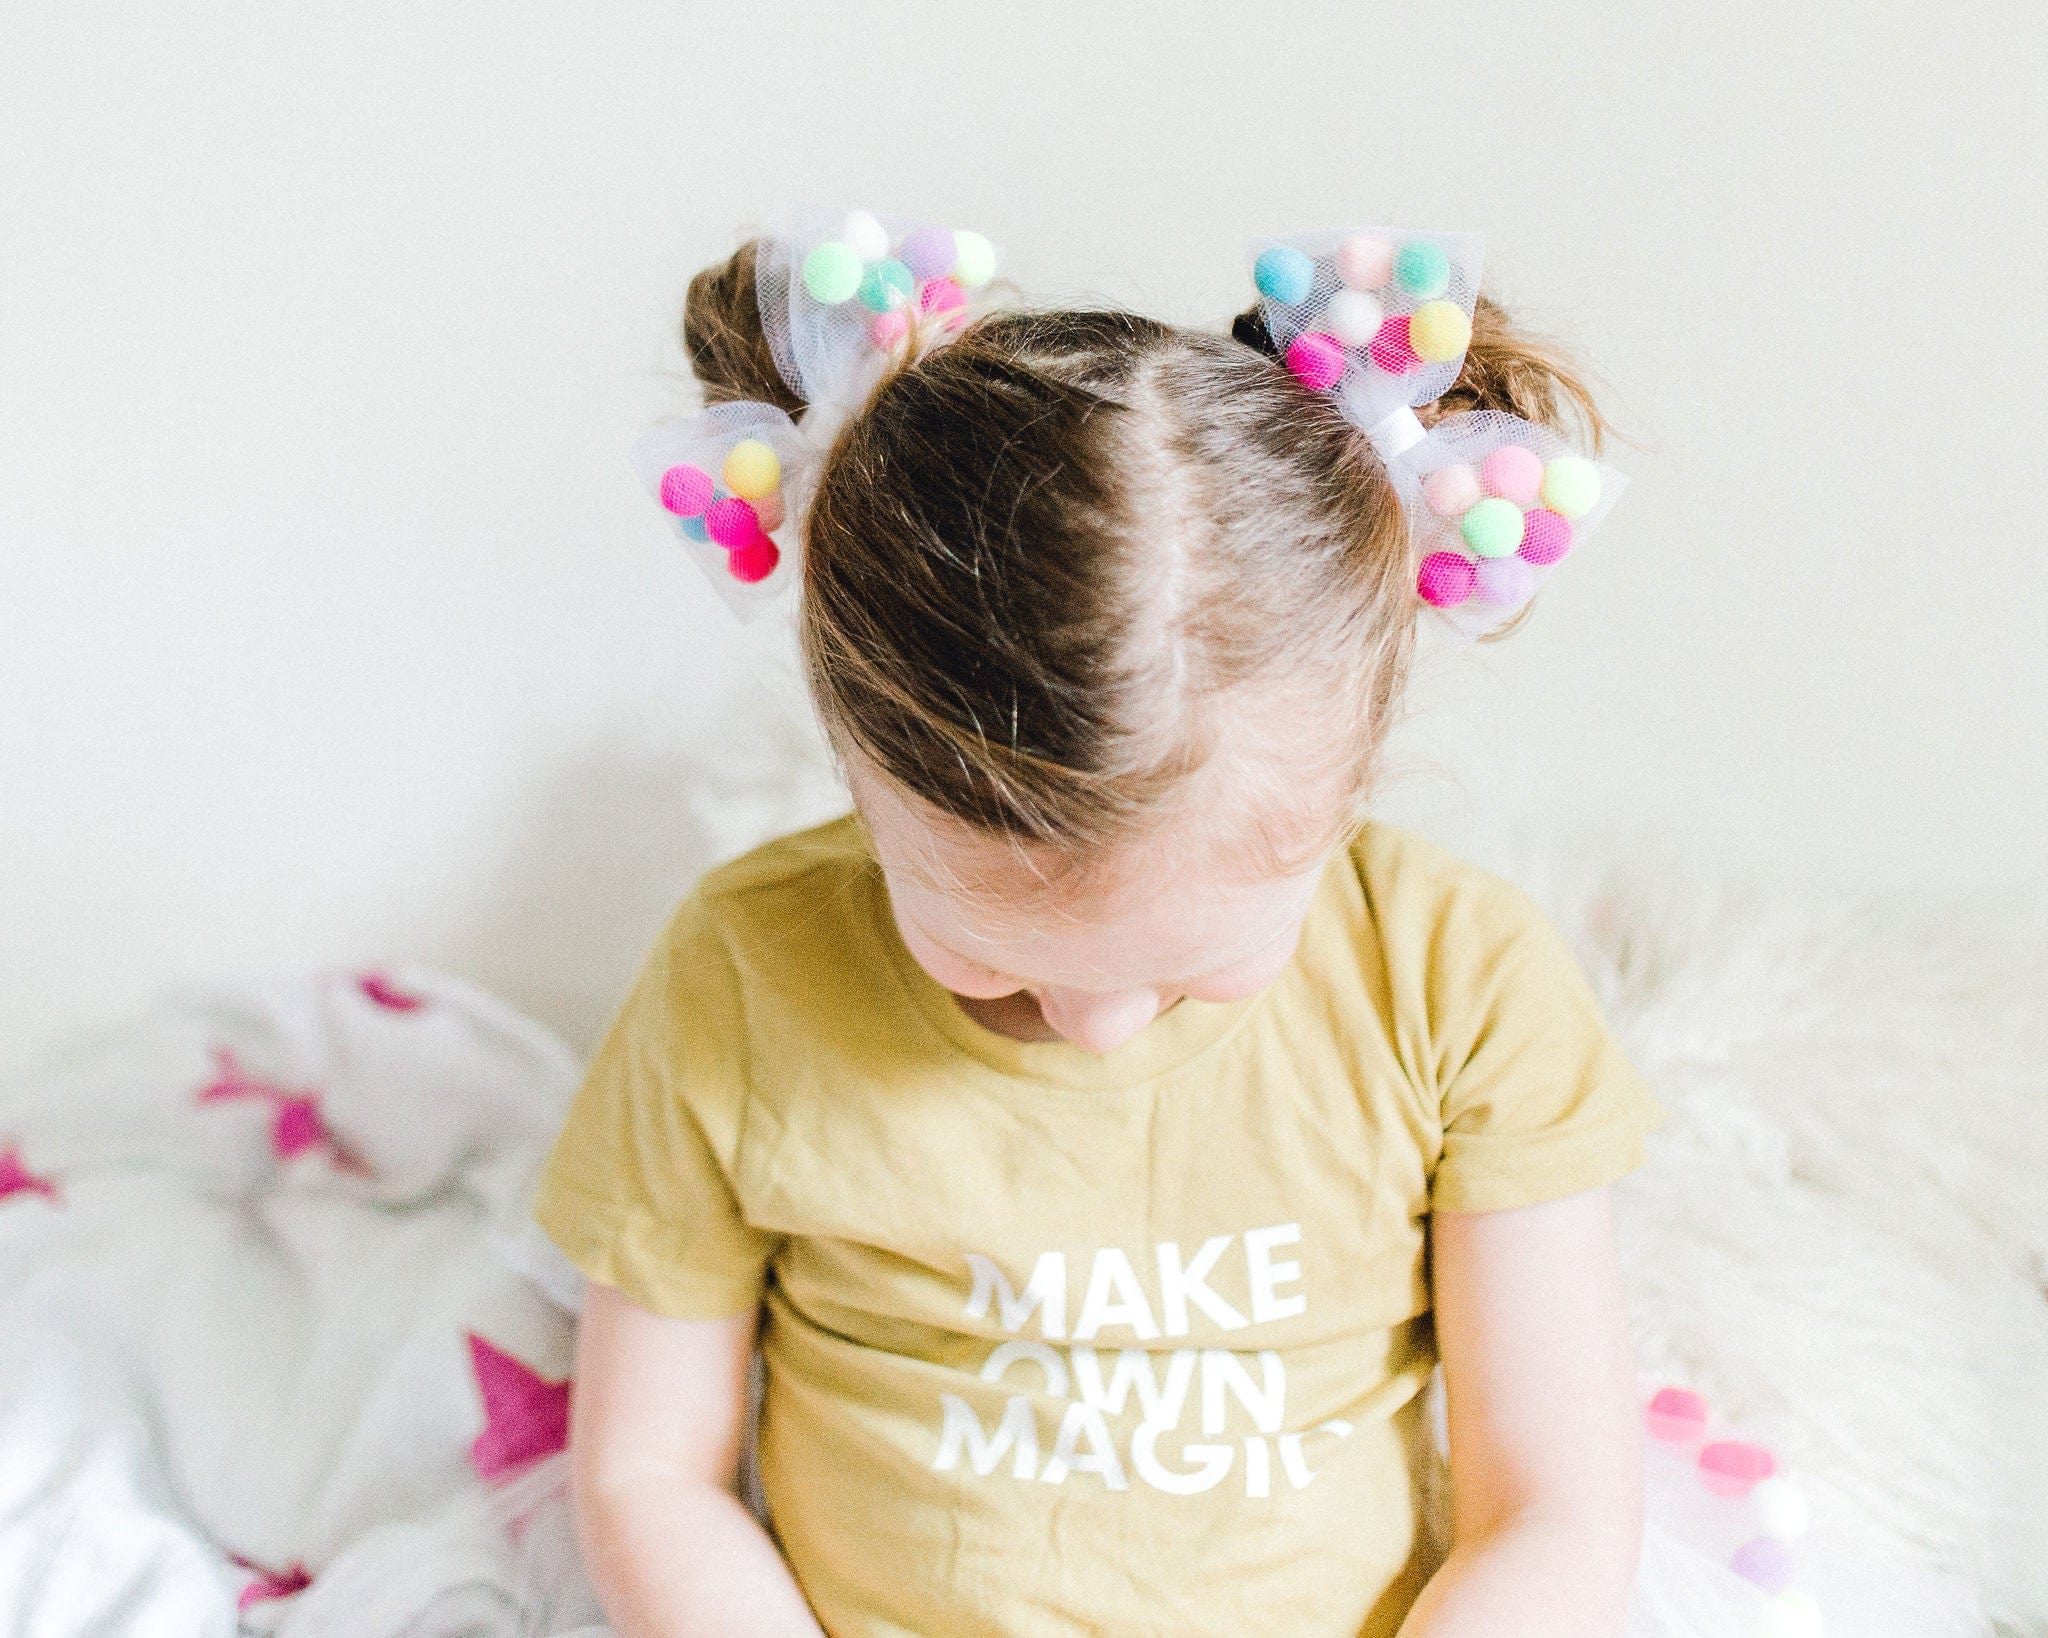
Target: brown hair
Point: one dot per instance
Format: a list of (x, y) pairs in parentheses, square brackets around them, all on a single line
[(1067, 570)]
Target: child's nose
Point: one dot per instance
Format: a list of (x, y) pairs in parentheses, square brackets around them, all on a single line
[(1098, 1022)]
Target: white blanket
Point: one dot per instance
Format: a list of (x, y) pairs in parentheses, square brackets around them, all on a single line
[(243, 1253)]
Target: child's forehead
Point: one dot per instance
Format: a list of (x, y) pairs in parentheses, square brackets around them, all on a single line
[(1173, 904), (1173, 934)]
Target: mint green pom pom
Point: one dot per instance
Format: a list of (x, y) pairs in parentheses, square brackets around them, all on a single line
[(1423, 270), (832, 273), (1571, 486), (886, 285), (1493, 527)]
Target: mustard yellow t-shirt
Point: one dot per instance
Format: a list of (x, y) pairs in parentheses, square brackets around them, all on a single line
[(1063, 1343)]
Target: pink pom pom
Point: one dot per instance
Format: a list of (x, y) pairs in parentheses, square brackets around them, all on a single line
[(1546, 537), (754, 561), (686, 490), (768, 510), (1513, 473), (732, 522), (1446, 579), (940, 296), (1506, 582), (1677, 1416), (1730, 1467), (1390, 349), (1449, 490), (1364, 262), (946, 299), (1317, 360), (888, 328)]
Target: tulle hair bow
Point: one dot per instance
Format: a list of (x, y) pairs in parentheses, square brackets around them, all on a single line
[(840, 295), (1379, 318)]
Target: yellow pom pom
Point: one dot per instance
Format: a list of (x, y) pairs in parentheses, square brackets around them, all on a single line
[(752, 470), (1439, 331)]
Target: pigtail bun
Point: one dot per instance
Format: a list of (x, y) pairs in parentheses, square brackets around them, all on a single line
[(1506, 369), (722, 334)]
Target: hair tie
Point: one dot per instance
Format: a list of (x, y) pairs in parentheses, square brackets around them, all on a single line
[(840, 294), (1379, 319)]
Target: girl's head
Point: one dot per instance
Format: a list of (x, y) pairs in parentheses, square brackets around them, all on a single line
[(1108, 620)]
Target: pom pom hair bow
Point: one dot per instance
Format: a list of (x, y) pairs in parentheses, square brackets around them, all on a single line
[(1379, 319), (840, 295)]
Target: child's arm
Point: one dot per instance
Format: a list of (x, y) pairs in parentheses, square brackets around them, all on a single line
[(654, 1444), (1546, 1441)]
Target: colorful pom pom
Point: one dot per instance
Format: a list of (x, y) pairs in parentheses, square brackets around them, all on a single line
[(1729, 1467), (693, 529), (755, 561), (1284, 274), (1571, 486), (1422, 269), (974, 259), (1506, 582), (1354, 318), (832, 273), (1546, 537), (1492, 527), (751, 469), (768, 510), (1678, 1416), (732, 522), (864, 236), (1765, 1563), (888, 328), (945, 299), (1390, 349), (1449, 490), (1514, 473), (1365, 261), (1439, 331), (1317, 360), (1445, 579), (1780, 1508), (929, 251), (885, 284), (686, 490)]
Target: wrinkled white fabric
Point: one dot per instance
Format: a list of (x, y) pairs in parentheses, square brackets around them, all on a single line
[(209, 1349)]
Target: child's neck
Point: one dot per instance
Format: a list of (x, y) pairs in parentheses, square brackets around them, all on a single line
[(1016, 1016)]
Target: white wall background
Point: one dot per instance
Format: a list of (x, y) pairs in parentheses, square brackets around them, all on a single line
[(332, 626)]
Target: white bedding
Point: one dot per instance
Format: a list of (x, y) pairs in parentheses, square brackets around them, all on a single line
[(233, 1344)]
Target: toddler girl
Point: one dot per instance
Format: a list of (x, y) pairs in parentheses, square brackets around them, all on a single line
[(1106, 1128)]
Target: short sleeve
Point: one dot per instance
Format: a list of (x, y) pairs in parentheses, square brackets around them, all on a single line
[(1538, 1100), (638, 1189)]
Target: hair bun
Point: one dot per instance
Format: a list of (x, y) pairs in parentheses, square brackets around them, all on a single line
[(722, 334)]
